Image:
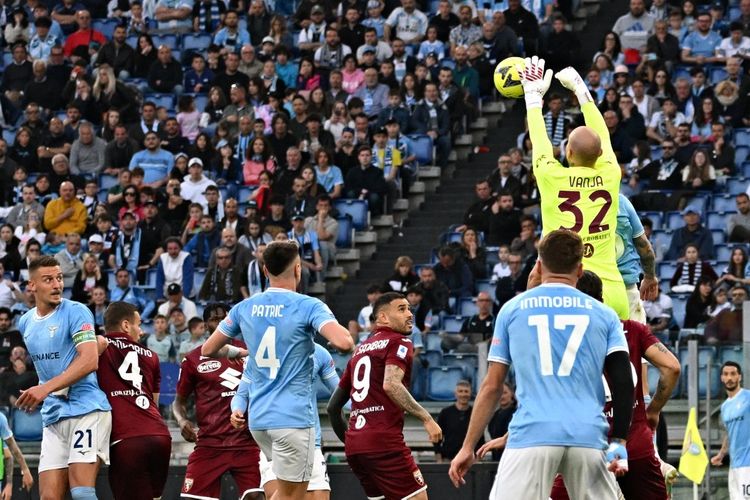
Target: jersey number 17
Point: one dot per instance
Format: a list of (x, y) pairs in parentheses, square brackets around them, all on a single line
[(579, 322)]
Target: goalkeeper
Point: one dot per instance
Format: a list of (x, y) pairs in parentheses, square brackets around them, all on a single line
[(584, 197)]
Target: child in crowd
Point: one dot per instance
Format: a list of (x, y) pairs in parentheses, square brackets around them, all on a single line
[(188, 117), (501, 269), (159, 341), (197, 329)]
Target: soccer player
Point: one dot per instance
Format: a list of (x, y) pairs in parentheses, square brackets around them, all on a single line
[(559, 341), (129, 375), (377, 378), (60, 338), (735, 414), (634, 253), (6, 472), (9, 442), (319, 487), (278, 327), (584, 197), (219, 448)]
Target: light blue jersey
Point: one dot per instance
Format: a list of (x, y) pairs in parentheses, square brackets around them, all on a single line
[(323, 370), (735, 414), (5, 432), (51, 341), (278, 327), (629, 228), (557, 338)]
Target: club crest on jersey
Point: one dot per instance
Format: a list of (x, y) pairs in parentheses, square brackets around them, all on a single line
[(87, 327), (188, 484), (52, 330), (209, 366), (402, 351), (418, 477)]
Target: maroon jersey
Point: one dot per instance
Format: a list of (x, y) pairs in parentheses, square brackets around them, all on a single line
[(376, 423), (214, 382), (129, 375), (640, 442)]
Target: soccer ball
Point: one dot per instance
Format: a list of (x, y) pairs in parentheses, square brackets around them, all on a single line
[(507, 80)]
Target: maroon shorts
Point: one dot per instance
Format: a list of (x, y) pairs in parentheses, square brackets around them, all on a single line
[(558, 489), (207, 465), (391, 475), (139, 466), (644, 480)]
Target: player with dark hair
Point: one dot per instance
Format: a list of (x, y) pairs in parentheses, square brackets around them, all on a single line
[(220, 448), (129, 375), (278, 326), (377, 379), (560, 341), (59, 335)]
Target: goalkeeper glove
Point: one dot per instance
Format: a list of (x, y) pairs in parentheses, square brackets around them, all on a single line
[(535, 81), (571, 80)]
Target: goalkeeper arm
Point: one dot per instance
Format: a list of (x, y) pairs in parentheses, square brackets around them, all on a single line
[(535, 83)]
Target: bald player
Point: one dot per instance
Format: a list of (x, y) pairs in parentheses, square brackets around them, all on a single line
[(584, 197)]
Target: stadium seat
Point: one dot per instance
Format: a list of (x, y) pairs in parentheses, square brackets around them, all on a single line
[(736, 186), (196, 42), (423, 149), (745, 170), (467, 307), (448, 63), (723, 203), (674, 220), (742, 137), (105, 26), (432, 341), (357, 210), (704, 383), (681, 72), (107, 181), (27, 426), (340, 361), (200, 100), (719, 235), (441, 382), (454, 237), (723, 252), (244, 193), (345, 238), (731, 353), (166, 100), (705, 353), (467, 362), (170, 372), (678, 309), (656, 153), (9, 135), (170, 41), (486, 286), (452, 324), (198, 276), (718, 74), (718, 220), (666, 270), (434, 358), (740, 155), (662, 238), (7, 59), (656, 218)]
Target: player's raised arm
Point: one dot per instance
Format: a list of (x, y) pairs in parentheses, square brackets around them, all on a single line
[(571, 80), (535, 84), (669, 373), (338, 336), (218, 344)]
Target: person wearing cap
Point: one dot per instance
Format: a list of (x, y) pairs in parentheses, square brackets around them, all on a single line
[(95, 245), (266, 52), (312, 36), (699, 46), (173, 266), (195, 183), (176, 300), (693, 232), (231, 37)]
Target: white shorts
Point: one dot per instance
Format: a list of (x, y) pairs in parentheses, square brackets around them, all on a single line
[(739, 483), (76, 440), (528, 473), (637, 313), (318, 482), (292, 452)]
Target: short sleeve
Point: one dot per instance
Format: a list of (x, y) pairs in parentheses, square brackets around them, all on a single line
[(645, 337), (635, 221), (320, 314), (393, 18), (615, 334), (400, 353), (325, 361), (655, 119), (338, 177), (186, 382), (499, 348), (5, 432), (230, 326), (81, 324)]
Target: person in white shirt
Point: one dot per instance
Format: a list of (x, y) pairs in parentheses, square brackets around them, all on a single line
[(195, 183), (407, 23), (735, 45)]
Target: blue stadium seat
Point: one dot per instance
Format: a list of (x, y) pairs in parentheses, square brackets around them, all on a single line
[(719, 235), (467, 307), (27, 426), (166, 100), (718, 74), (723, 203), (674, 220), (741, 154), (198, 276), (423, 149), (703, 380), (656, 218), (357, 210), (448, 63), (452, 324), (101, 195), (7, 59), (454, 237), (731, 353), (662, 238), (196, 41), (434, 358), (681, 72), (244, 193), (666, 270), (719, 220), (678, 309), (170, 41), (723, 252), (742, 137), (170, 372), (656, 153), (736, 186), (132, 40), (340, 361), (745, 170), (704, 354), (345, 238), (486, 286), (467, 362), (432, 341), (9, 135), (200, 100), (105, 26), (441, 382), (107, 181), (150, 279)]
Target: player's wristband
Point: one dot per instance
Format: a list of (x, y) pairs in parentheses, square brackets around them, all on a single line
[(647, 399), (233, 352), (617, 451), (533, 100)]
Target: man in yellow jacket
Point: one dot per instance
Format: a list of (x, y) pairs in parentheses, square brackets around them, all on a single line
[(66, 214)]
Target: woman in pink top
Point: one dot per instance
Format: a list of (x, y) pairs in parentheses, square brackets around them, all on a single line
[(257, 159), (353, 77)]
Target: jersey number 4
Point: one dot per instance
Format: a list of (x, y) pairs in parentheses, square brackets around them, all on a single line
[(560, 322), (130, 371), (569, 205), (265, 356)]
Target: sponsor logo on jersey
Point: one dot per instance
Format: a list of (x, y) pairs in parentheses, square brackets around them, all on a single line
[(418, 477), (52, 330), (402, 351), (209, 366), (360, 422), (231, 378), (187, 484), (45, 356)]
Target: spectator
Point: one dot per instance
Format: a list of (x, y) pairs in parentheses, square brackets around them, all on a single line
[(692, 232), (504, 221), (325, 227), (435, 293), (452, 271), (10, 292), (174, 16), (117, 54), (176, 299), (66, 214), (478, 214), (126, 249), (466, 32), (224, 282), (662, 47), (498, 426), (155, 161), (174, 266), (16, 75), (9, 336), (197, 331), (690, 271), (88, 39), (526, 242), (406, 23), (42, 41), (20, 377), (360, 328), (87, 278), (87, 152), (699, 174), (502, 179), (560, 46), (511, 285), (19, 213), (736, 271), (403, 277), (700, 302), (726, 327), (300, 202), (231, 37), (454, 420), (373, 94), (431, 117), (231, 75), (474, 253), (241, 255), (478, 328), (659, 314), (71, 258), (700, 46), (366, 181), (309, 248), (159, 342), (635, 27), (738, 225), (165, 74), (204, 241), (330, 55), (664, 123), (123, 291)]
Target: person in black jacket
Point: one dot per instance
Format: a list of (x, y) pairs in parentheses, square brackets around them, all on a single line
[(505, 221), (366, 182), (431, 117), (165, 74), (524, 24), (662, 174), (118, 54)]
